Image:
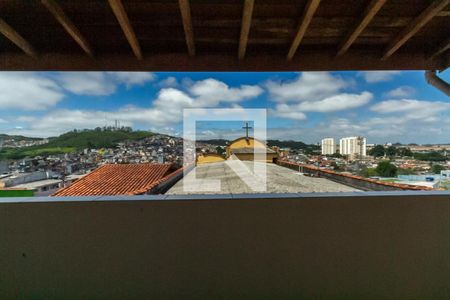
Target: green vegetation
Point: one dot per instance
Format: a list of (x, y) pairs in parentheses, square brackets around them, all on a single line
[(401, 171), (18, 153), (76, 140), (368, 172), (270, 143), (391, 151), (16, 193), (217, 142), (437, 169), (386, 169), (430, 156), (220, 150), (18, 137), (98, 138), (377, 151)]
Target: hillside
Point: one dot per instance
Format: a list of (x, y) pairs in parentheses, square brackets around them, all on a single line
[(18, 137), (96, 138), (76, 140), (270, 143)]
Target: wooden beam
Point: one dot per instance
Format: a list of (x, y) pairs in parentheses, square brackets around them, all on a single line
[(245, 27), (441, 49), (71, 29), (324, 60), (307, 16), (370, 12), (444, 13), (185, 10), (16, 38), (413, 27), (124, 22)]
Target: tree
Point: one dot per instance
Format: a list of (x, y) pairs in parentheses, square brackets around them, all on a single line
[(386, 169), (437, 169), (391, 151), (377, 151), (220, 150), (368, 172), (402, 171), (405, 152), (430, 156)]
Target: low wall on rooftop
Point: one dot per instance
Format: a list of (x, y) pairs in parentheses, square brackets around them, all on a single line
[(365, 184), (381, 245)]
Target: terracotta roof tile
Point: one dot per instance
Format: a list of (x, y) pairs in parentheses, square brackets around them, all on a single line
[(120, 179)]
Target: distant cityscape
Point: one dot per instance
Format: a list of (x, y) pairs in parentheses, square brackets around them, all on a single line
[(46, 165)]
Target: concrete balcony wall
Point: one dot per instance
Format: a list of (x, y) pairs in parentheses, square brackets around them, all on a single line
[(353, 246)]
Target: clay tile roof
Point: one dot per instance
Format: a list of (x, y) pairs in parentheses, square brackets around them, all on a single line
[(120, 179)]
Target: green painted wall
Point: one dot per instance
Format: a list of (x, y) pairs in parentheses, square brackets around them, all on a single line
[(16, 193)]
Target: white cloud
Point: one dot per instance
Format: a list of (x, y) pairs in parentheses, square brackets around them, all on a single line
[(3, 121), (210, 92), (28, 91), (166, 109), (336, 103), (284, 111), (169, 82), (101, 83), (25, 118), (401, 92), (309, 86), (313, 92), (410, 106), (378, 76), (132, 78), (87, 83)]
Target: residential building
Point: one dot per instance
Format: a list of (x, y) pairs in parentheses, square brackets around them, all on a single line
[(328, 146), (354, 146)]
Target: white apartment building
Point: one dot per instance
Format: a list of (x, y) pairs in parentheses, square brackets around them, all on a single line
[(354, 146), (328, 146)]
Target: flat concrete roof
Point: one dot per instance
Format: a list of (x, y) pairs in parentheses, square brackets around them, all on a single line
[(279, 180)]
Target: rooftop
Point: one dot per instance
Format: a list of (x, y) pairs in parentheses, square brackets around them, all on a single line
[(279, 180), (120, 179)]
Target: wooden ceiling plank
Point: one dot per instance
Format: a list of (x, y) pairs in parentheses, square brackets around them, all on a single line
[(124, 21), (245, 27), (441, 49), (16, 38), (371, 10), (180, 62), (68, 25), (420, 21), (185, 10), (307, 16)]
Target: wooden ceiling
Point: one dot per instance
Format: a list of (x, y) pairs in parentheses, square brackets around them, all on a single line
[(226, 35)]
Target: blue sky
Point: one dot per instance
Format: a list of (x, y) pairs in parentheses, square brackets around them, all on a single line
[(308, 106)]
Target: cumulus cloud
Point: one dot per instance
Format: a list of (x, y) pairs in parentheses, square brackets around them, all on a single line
[(378, 76), (169, 82), (306, 87), (28, 91), (284, 111), (166, 109), (313, 92), (132, 78), (210, 92), (401, 92), (410, 106), (334, 103), (101, 83)]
